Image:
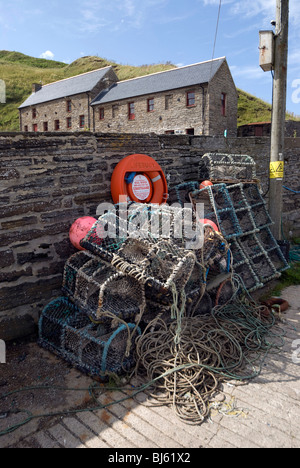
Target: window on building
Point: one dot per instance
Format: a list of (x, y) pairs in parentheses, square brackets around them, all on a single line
[(223, 104), (34, 113), (26, 128), (131, 111), (190, 131), (56, 125), (69, 122), (101, 113), (168, 101), (34, 128), (45, 126), (190, 99), (150, 105), (69, 105), (115, 109), (81, 121), (170, 132)]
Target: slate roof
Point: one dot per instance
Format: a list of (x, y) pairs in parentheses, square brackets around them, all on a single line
[(68, 87), (190, 75)]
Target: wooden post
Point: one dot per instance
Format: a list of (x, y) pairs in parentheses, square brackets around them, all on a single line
[(278, 115)]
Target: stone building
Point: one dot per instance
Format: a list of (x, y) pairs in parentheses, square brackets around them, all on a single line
[(199, 99), (263, 129), (64, 105)]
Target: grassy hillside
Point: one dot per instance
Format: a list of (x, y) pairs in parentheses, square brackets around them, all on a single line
[(19, 71)]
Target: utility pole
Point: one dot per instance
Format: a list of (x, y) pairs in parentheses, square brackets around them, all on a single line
[(278, 115)]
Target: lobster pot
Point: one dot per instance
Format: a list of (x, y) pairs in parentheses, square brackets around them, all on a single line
[(149, 246), (250, 245), (72, 266), (100, 291), (251, 194), (226, 167), (161, 266), (181, 193), (218, 208), (273, 249), (237, 253), (237, 196), (242, 208), (247, 274), (261, 216), (96, 351), (246, 221), (264, 268)]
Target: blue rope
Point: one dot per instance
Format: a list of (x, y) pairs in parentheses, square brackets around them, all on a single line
[(291, 190)]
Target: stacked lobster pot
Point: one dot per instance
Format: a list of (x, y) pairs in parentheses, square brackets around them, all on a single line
[(154, 261), (235, 204)]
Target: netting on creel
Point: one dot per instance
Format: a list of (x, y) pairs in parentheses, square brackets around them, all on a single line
[(140, 250), (272, 248), (182, 192), (97, 350), (218, 208), (101, 291), (226, 167)]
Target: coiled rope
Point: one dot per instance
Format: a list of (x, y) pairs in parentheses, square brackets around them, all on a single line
[(196, 355)]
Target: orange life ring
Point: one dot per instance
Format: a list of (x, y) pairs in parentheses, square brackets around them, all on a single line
[(141, 179)]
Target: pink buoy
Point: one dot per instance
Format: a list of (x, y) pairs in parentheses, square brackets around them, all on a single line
[(205, 183), (211, 223), (79, 230)]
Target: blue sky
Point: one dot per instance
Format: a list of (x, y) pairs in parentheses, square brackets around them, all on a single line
[(138, 32)]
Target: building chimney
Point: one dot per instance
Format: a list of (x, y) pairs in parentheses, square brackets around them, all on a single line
[(36, 87)]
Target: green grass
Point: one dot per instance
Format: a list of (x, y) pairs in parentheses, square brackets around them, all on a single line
[(19, 71), (252, 109)]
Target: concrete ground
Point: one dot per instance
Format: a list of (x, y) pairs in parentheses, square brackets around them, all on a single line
[(265, 413)]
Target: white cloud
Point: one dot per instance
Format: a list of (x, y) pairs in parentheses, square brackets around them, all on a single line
[(47, 55)]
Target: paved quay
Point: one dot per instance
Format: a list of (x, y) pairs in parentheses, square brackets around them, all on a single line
[(265, 413)]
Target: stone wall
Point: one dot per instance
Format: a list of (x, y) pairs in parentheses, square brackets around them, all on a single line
[(49, 180)]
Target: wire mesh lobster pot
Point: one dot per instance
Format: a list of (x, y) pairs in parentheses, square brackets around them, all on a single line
[(100, 291), (261, 216), (264, 268), (237, 253), (250, 245), (153, 254), (273, 249), (260, 260), (182, 192), (255, 201), (242, 208), (226, 167), (247, 274), (218, 208), (95, 350)]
